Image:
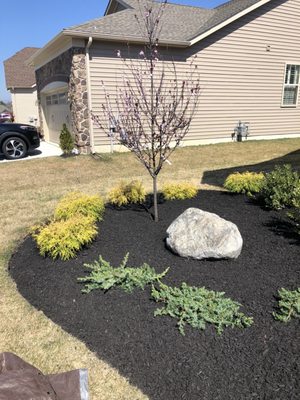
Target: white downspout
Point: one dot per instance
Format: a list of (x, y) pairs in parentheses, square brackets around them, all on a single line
[(89, 96)]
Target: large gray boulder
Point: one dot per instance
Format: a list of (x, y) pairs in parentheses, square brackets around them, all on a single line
[(200, 234)]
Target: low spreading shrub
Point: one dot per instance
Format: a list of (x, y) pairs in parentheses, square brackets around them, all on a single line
[(198, 306), (66, 140), (279, 187), (79, 203), (248, 183), (104, 276), (289, 305), (127, 193), (179, 191), (62, 239)]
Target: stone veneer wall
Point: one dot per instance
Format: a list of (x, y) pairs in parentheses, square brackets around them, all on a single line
[(70, 67)]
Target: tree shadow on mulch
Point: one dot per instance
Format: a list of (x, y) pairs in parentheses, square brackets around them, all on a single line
[(285, 228), (217, 177), (146, 207), (260, 362)]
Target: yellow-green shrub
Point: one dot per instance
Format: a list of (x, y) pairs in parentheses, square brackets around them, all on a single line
[(75, 203), (126, 193), (62, 239), (179, 191), (246, 182)]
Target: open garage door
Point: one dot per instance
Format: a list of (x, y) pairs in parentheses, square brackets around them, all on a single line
[(56, 112)]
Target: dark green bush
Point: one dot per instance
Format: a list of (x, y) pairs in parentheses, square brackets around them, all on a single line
[(248, 183), (198, 306), (104, 276), (66, 140), (279, 187), (289, 305)]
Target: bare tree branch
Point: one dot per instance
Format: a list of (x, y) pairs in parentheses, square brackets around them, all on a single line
[(152, 111)]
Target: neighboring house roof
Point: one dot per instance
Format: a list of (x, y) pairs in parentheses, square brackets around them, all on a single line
[(17, 73), (180, 23)]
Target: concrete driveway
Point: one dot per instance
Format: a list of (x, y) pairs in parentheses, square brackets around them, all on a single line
[(45, 150)]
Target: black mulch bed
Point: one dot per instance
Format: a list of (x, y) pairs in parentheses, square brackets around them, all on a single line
[(260, 362)]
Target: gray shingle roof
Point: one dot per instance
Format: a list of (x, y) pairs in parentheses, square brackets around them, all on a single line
[(17, 73), (179, 23), (224, 12)]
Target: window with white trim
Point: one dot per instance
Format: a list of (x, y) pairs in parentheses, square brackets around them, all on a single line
[(291, 85), (54, 99)]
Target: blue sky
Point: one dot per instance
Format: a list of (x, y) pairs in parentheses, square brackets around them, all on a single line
[(35, 22)]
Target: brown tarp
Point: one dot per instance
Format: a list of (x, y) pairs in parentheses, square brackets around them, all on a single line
[(21, 381)]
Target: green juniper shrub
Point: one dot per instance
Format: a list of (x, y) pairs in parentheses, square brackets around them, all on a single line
[(179, 191), (62, 239), (289, 305), (66, 140), (198, 306), (127, 193), (103, 276), (247, 182), (75, 203), (279, 186)]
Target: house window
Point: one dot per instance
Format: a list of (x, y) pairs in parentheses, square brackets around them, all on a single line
[(55, 99), (291, 85), (62, 98)]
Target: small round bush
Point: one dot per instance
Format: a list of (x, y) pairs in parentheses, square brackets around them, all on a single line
[(66, 140), (279, 187), (247, 182), (179, 191), (63, 239), (127, 193), (79, 203)]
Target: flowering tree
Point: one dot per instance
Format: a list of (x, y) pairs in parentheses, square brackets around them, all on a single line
[(151, 112)]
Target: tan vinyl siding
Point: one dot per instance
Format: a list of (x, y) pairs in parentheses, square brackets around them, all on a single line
[(25, 106), (240, 79)]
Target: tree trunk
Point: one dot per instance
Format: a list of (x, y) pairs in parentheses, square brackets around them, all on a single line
[(155, 198)]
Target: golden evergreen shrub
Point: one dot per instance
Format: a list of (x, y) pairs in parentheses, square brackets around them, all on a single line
[(75, 203), (179, 191), (246, 182), (62, 239), (127, 193)]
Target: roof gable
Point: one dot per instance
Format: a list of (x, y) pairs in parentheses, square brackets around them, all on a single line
[(114, 6), (17, 73)]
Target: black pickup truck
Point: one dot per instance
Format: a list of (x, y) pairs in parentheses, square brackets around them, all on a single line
[(16, 140)]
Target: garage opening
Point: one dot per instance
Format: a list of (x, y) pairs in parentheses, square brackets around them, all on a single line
[(55, 109)]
